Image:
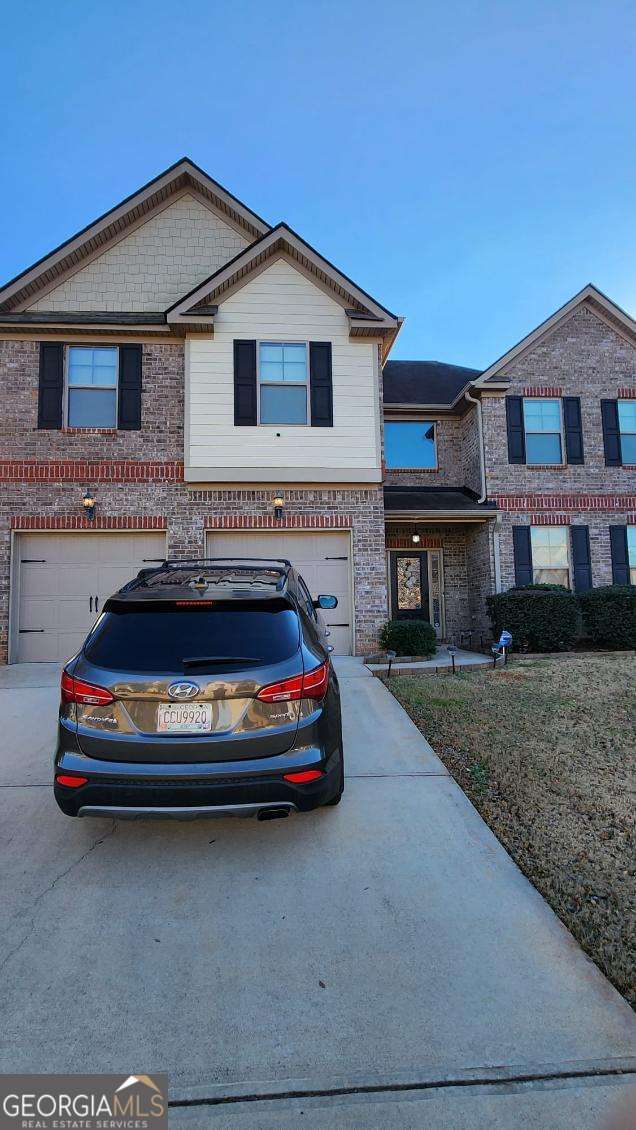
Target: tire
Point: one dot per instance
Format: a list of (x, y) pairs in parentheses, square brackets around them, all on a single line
[(338, 797)]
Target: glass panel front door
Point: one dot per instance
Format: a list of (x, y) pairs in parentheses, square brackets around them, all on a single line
[(409, 586)]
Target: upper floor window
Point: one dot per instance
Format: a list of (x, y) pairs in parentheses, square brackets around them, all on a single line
[(410, 444), (631, 553), (543, 430), (283, 382), (92, 386), (627, 428), (550, 555)]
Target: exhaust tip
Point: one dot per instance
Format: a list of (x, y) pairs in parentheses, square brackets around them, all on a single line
[(272, 813)]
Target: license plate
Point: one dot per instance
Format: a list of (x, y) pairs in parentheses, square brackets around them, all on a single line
[(184, 717)]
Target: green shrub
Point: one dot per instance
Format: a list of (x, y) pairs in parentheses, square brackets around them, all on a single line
[(609, 615), (409, 637), (539, 617)]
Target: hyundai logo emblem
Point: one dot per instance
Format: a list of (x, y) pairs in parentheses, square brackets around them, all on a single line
[(183, 690)]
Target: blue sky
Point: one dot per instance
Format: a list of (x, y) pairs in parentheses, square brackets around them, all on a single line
[(472, 165)]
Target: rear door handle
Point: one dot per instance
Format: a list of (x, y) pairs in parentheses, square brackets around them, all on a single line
[(90, 604), (97, 604)]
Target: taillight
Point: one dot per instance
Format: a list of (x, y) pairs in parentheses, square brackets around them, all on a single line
[(313, 684), (76, 690), (70, 782)]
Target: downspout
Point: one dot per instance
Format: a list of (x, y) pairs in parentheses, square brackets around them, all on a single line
[(480, 429), (482, 459)]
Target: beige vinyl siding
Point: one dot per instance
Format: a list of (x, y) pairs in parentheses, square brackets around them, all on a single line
[(152, 266), (281, 304)]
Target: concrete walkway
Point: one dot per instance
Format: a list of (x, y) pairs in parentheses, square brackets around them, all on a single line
[(387, 950)]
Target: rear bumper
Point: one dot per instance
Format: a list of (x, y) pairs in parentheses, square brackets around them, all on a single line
[(182, 791)]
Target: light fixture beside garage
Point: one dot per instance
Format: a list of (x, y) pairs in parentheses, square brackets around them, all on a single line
[(88, 503), (279, 506), (415, 539)]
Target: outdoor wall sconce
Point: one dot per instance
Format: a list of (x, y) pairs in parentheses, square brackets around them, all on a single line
[(279, 506), (88, 503), (415, 539)]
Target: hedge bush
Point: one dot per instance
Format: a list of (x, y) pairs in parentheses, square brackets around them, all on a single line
[(539, 617), (609, 615), (409, 637)]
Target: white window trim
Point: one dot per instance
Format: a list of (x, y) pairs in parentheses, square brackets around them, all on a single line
[(68, 386), (568, 548), (560, 433), (414, 420), (286, 384)]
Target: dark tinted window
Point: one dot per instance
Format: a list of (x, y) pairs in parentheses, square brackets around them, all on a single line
[(146, 638)]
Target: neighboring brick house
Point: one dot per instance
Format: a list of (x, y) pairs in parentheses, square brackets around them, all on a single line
[(214, 386)]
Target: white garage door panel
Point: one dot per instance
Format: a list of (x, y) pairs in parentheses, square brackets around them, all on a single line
[(321, 558), (58, 574)]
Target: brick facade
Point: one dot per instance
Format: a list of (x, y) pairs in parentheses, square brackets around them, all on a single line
[(187, 515), (137, 476), (582, 356)]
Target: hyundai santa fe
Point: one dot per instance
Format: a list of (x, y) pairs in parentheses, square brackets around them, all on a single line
[(204, 687)]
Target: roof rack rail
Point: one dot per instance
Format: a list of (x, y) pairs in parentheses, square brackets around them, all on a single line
[(278, 565), (212, 560)]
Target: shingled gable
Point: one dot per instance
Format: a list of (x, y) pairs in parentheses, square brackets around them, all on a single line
[(600, 305), (367, 318), (96, 238)]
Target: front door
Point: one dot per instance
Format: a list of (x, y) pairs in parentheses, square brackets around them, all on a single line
[(409, 586)]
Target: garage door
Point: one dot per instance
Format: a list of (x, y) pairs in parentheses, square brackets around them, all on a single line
[(322, 559), (64, 579)]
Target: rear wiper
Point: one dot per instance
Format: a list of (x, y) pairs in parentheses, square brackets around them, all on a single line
[(196, 660)]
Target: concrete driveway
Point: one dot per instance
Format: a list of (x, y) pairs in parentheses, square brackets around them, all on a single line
[(385, 962)]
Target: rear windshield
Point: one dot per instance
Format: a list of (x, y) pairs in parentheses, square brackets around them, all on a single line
[(146, 638)]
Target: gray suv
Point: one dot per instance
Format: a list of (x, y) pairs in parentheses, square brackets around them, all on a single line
[(204, 687)]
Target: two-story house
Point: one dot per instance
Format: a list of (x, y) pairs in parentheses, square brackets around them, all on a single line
[(545, 438), (181, 379)]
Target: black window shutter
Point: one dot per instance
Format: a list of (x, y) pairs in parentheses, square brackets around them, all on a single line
[(320, 383), (516, 434), (522, 549), (245, 383), (573, 429), (51, 385), (581, 564), (611, 433), (620, 560), (129, 407)]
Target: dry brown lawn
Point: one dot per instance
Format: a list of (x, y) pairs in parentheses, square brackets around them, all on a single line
[(545, 749)]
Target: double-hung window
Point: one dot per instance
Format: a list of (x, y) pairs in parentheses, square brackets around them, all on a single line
[(627, 428), (283, 382), (92, 386), (543, 428), (631, 553), (410, 444), (550, 555)]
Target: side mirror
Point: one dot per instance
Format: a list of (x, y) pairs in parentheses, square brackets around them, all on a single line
[(324, 601)]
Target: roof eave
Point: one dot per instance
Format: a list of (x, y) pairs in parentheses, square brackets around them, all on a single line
[(440, 515)]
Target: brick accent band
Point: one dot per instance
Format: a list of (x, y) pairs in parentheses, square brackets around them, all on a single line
[(542, 390), (78, 522), (405, 541), (550, 519), (287, 522), (628, 393), (563, 502), (85, 470)]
